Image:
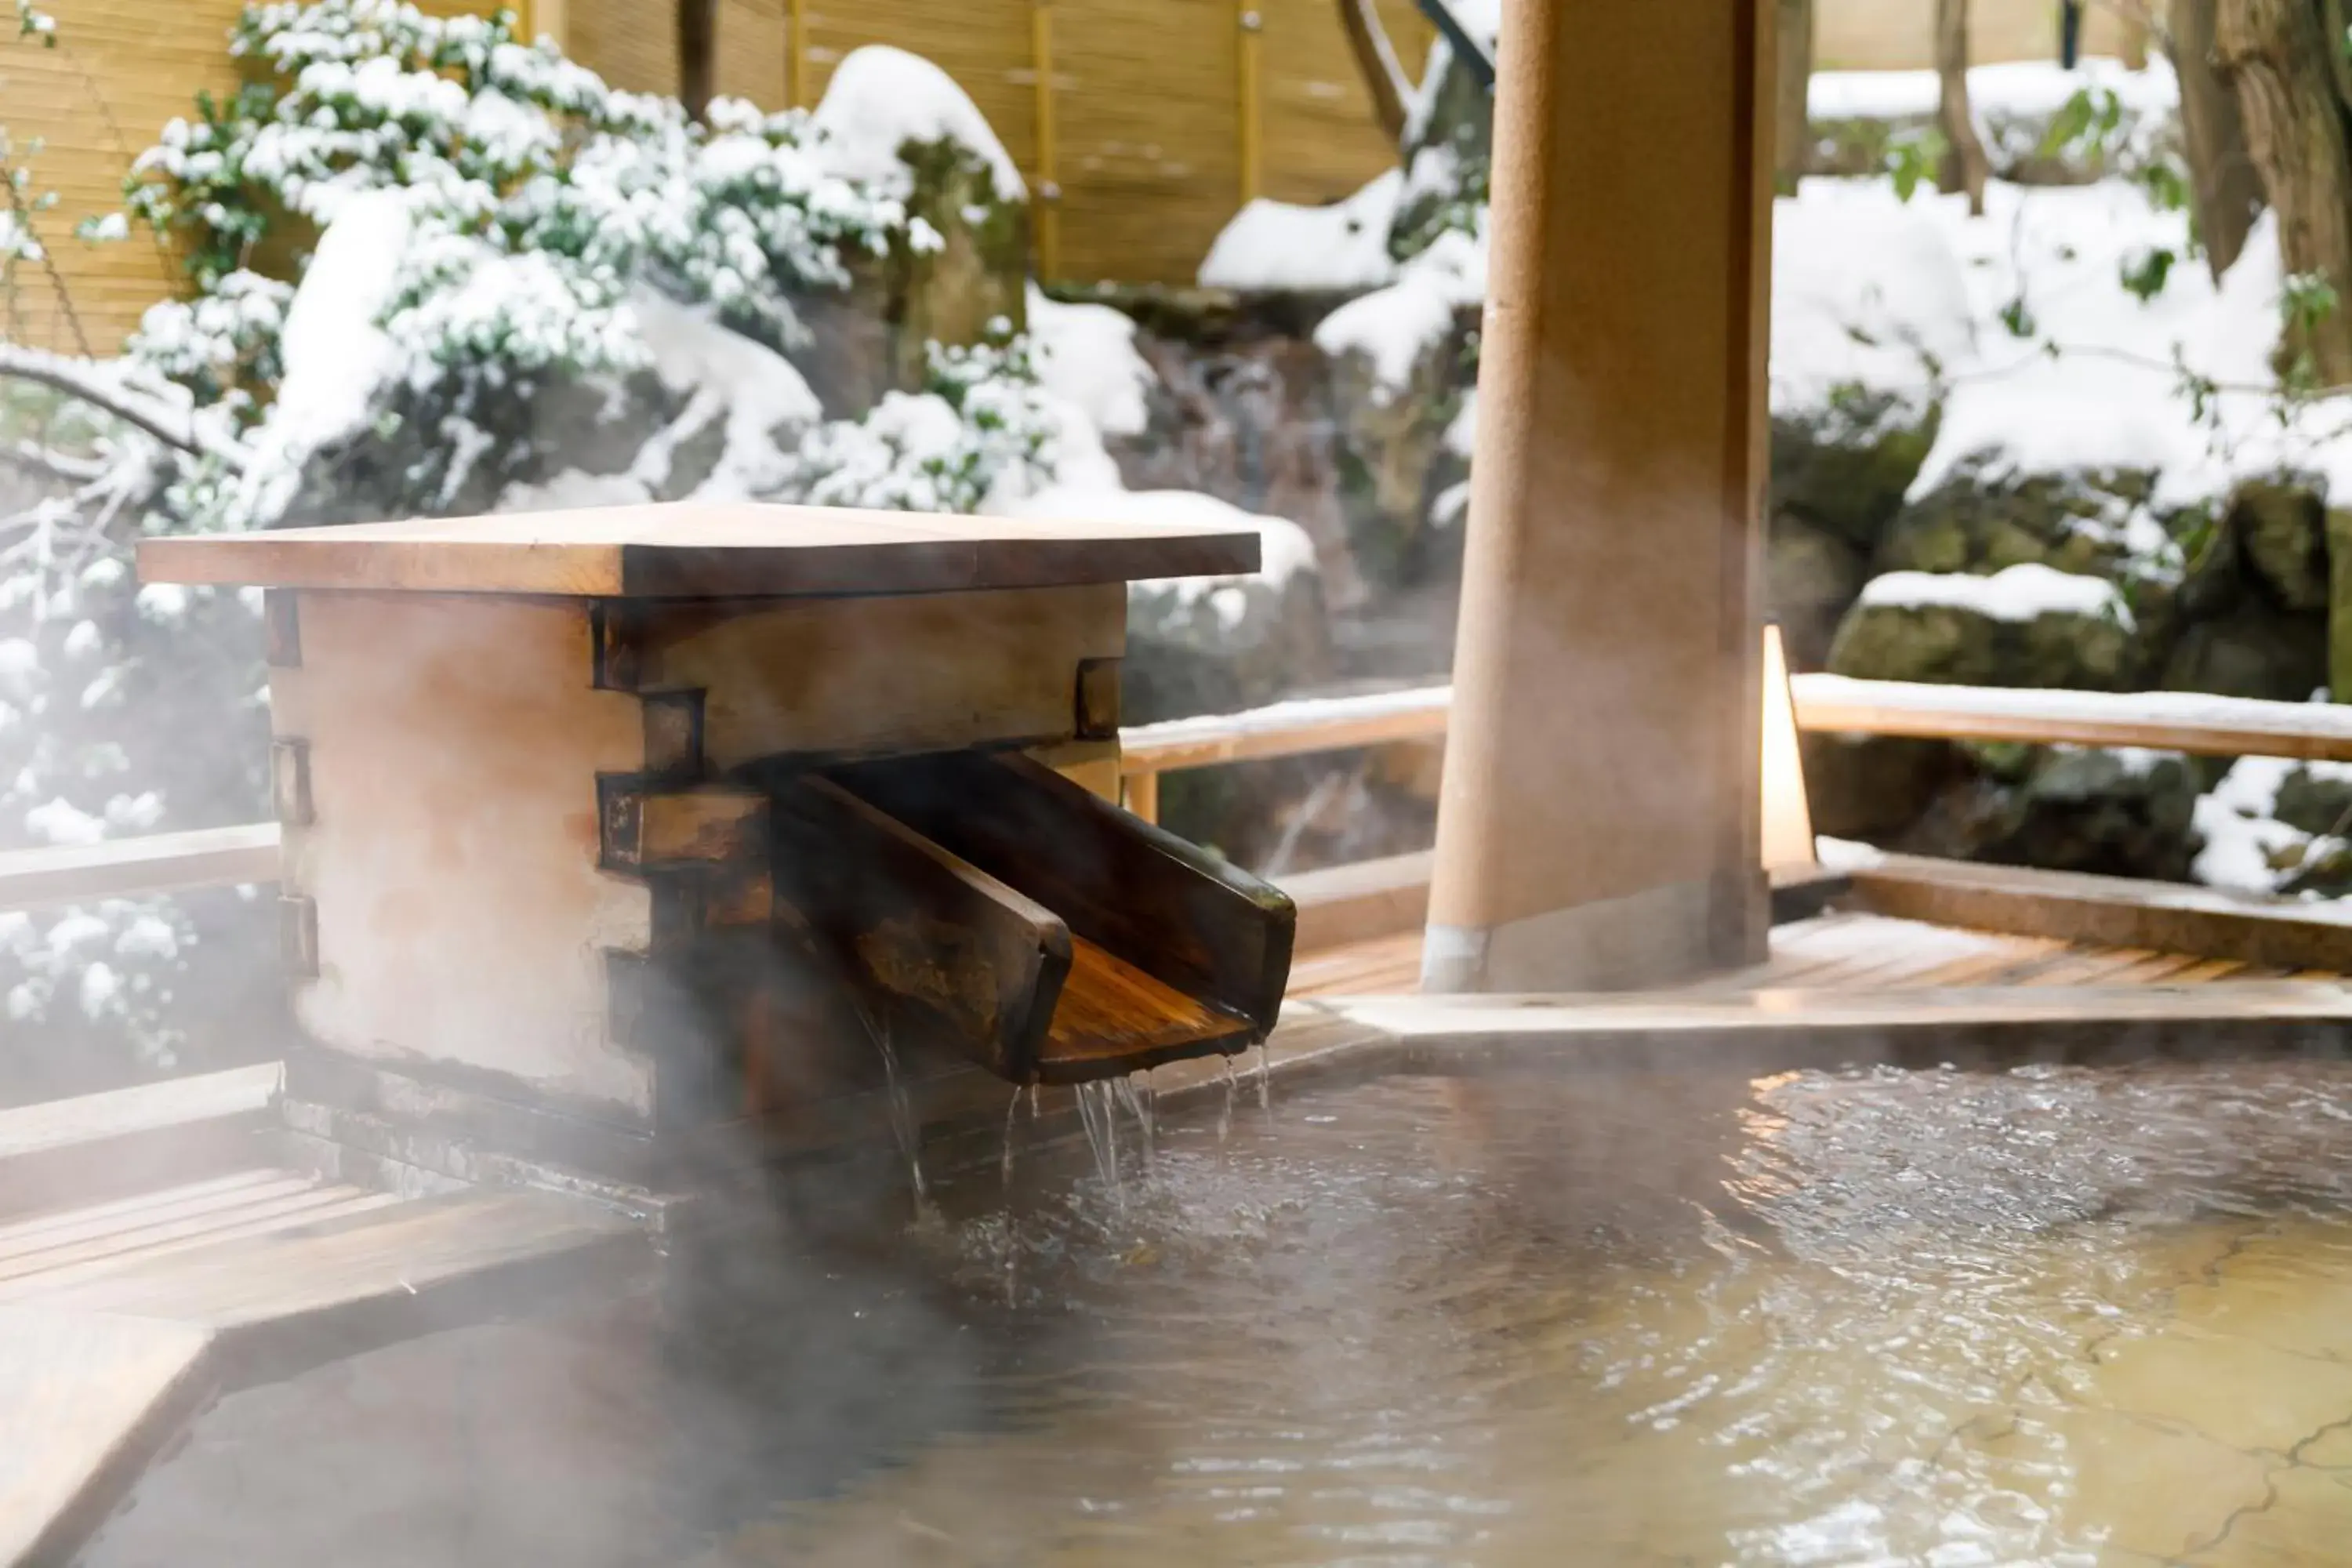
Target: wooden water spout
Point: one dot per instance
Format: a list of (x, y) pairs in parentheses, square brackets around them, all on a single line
[(605, 828)]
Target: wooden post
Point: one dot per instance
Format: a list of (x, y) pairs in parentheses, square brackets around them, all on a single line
[(1144, 796), (547, 19), (1253, 108), (796, 55), (1049, 186), (1599, 821)]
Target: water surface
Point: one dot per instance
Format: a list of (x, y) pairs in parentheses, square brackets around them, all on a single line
[(2048, 1316)]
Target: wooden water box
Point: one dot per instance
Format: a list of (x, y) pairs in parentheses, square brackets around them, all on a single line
[(606, 827)]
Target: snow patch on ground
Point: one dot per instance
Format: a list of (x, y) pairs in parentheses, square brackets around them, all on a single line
[(1279, 245), (1866, 292), (2112, 395), (2015, 594), (881, 98), (2037, 88)]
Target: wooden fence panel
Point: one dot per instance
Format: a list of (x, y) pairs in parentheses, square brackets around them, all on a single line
[(1321, 140), (122, 70), (754, 43), (1900, 35)]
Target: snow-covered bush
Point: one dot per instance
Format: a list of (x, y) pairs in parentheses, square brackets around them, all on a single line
[(983, 429), (506, 150), (109, 696)]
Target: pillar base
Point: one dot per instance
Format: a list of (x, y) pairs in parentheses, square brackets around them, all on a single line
[(1660, 936)]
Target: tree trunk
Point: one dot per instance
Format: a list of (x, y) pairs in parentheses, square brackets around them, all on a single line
[(1791, 123), (1966, 168), (1376, 62), (2224, 185), (698, 46), (2278, 57)]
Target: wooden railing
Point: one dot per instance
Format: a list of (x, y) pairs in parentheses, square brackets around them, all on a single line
[(2178, 722), (1285, 729), (2156, 721)]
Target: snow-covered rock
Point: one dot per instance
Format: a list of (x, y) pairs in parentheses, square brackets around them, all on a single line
[(958, 273), (2026, 625), (713, 415), (880, 99), (1210, 644), (1339, 248)]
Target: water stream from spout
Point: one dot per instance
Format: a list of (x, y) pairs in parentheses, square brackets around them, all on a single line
[(1225, 1111), (1134, 1092), (1011, 1114), (1095, 1113), (902, 1107)]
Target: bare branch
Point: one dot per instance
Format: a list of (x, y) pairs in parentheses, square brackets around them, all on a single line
[(1376, 61), (150, 409), (44, 464)]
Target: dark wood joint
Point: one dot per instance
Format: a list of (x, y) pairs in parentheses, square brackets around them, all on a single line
[(1097, 700), (616, 629), (649, 828), (297, 936), (674, 735), (281, 629), (290, 781)]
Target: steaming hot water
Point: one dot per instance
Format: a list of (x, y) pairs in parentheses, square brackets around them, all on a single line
[(2052, 1316)]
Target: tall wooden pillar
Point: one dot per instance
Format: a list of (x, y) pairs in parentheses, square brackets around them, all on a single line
[(1599, 823)]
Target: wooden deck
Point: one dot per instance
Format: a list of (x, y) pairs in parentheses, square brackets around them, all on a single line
[(151, 1257), (1850, 952)]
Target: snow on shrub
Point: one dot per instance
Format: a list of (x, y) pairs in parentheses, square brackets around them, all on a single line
[(982, 428), (506, 150)]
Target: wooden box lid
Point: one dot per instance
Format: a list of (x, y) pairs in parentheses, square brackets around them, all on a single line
[(692, 550)]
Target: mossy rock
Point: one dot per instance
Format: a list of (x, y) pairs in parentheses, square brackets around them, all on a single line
[(2084, 809), (2315, 804), (2339, 602), (1222, 645), (1946, 644), (977, 278), (1393, 458), (1873, 787), (2253, 653), (1982, 518), (2280, 526), (873, 337), (1847, 466), (1811, 577)]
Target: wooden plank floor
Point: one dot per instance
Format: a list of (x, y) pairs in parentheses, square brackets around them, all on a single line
[(1846, 952), (151, 1257)]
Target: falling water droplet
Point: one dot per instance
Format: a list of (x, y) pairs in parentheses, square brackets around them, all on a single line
[(1265, 1079), (1096, 1113), (1133, 1092), (1225, 1113), (1012, 1112), (902, 1113)]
